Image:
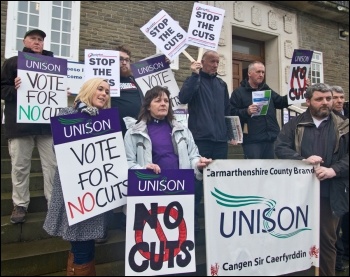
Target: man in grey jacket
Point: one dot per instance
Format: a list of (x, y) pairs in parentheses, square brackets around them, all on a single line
[(321, 138)]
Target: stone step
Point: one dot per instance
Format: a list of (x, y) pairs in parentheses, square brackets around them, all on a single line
[(5, 152), (6, 166), (32, 228), (3, 139), (38, 202), (47, 256), (36, 182), (50, 255), (117, 268)]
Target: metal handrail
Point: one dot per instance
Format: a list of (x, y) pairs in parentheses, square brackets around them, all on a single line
[(292, 111), (295, 111)]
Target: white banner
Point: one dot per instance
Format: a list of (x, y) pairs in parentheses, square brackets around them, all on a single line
[(166, 34), (103, 64), (205, 26), (261, 217)]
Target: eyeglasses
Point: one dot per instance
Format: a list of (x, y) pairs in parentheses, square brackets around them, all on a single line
[(127, 60)]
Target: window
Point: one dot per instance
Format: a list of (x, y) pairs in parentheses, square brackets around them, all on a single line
[(316, 68), (55, 18)]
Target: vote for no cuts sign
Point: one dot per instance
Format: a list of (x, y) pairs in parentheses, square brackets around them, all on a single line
[(42, 92), (91, 162), (160, 223)]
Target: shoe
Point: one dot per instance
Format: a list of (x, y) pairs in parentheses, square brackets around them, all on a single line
[(101, 240), (340, 268), (18, 215)]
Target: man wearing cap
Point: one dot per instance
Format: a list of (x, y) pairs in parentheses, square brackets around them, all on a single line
[(22, 137)]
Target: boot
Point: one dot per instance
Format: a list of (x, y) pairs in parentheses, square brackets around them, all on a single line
[(84, 269), (70, 270)]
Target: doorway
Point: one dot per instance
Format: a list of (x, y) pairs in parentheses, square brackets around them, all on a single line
[(245, 51)]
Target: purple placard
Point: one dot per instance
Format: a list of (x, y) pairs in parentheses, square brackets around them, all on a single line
[(73, 127), (149, 66), (144, 182), (302, 56), (41, 63)]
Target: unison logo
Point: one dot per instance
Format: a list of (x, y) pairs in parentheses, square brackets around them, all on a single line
[(156, 182), (82, 126), (289, 220)]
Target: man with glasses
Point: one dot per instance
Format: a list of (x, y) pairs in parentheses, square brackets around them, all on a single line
[(131, 96), (128, 104)]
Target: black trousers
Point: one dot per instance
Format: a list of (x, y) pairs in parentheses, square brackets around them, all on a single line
[(215, 151), (328, 237), (262, 150)]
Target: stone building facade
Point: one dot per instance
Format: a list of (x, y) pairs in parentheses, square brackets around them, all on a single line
[(277, 27)]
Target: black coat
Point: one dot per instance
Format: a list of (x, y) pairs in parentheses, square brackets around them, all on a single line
[(208, 104), (9, 94), (263, 128), (289, 143)]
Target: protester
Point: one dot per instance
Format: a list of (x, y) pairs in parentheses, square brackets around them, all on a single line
[(208, 104), (157, 141), (128, 104), (131, 96), (342, 244), (93, 96), (23, 137), (321, 138), (259, 132)]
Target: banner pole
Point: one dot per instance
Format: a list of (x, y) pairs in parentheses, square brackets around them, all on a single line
[(200, 54), (188, 56)]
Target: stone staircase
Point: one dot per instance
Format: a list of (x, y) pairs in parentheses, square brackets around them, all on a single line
[(27, 250)]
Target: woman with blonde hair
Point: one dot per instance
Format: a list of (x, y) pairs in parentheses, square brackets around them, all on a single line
[(93, 96)]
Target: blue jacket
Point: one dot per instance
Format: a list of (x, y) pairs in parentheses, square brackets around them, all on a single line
[(208, 104)]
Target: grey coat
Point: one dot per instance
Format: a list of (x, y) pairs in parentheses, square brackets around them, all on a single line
[(138, 147), (56, 222)]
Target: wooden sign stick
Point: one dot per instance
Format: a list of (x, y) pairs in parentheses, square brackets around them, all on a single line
[(188, 56)]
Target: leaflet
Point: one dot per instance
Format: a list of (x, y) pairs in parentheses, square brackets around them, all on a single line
[(262, 100)]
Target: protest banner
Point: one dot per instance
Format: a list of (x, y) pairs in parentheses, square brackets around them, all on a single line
[(155, 71), (42, 92), (160, 223), (299, 69), (166, 34), (75, 77), (91, 161), (205, 27), (261, 217), (103, 64)]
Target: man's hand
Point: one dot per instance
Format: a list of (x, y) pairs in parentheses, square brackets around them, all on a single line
[(233, 142), (17, 82), (314, 160), (195, 67), (323, 173)]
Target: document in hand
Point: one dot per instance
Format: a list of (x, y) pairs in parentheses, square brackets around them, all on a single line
[(234, 128), (262, 100)]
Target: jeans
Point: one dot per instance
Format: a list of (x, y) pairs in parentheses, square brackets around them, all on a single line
[(83, 251)]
